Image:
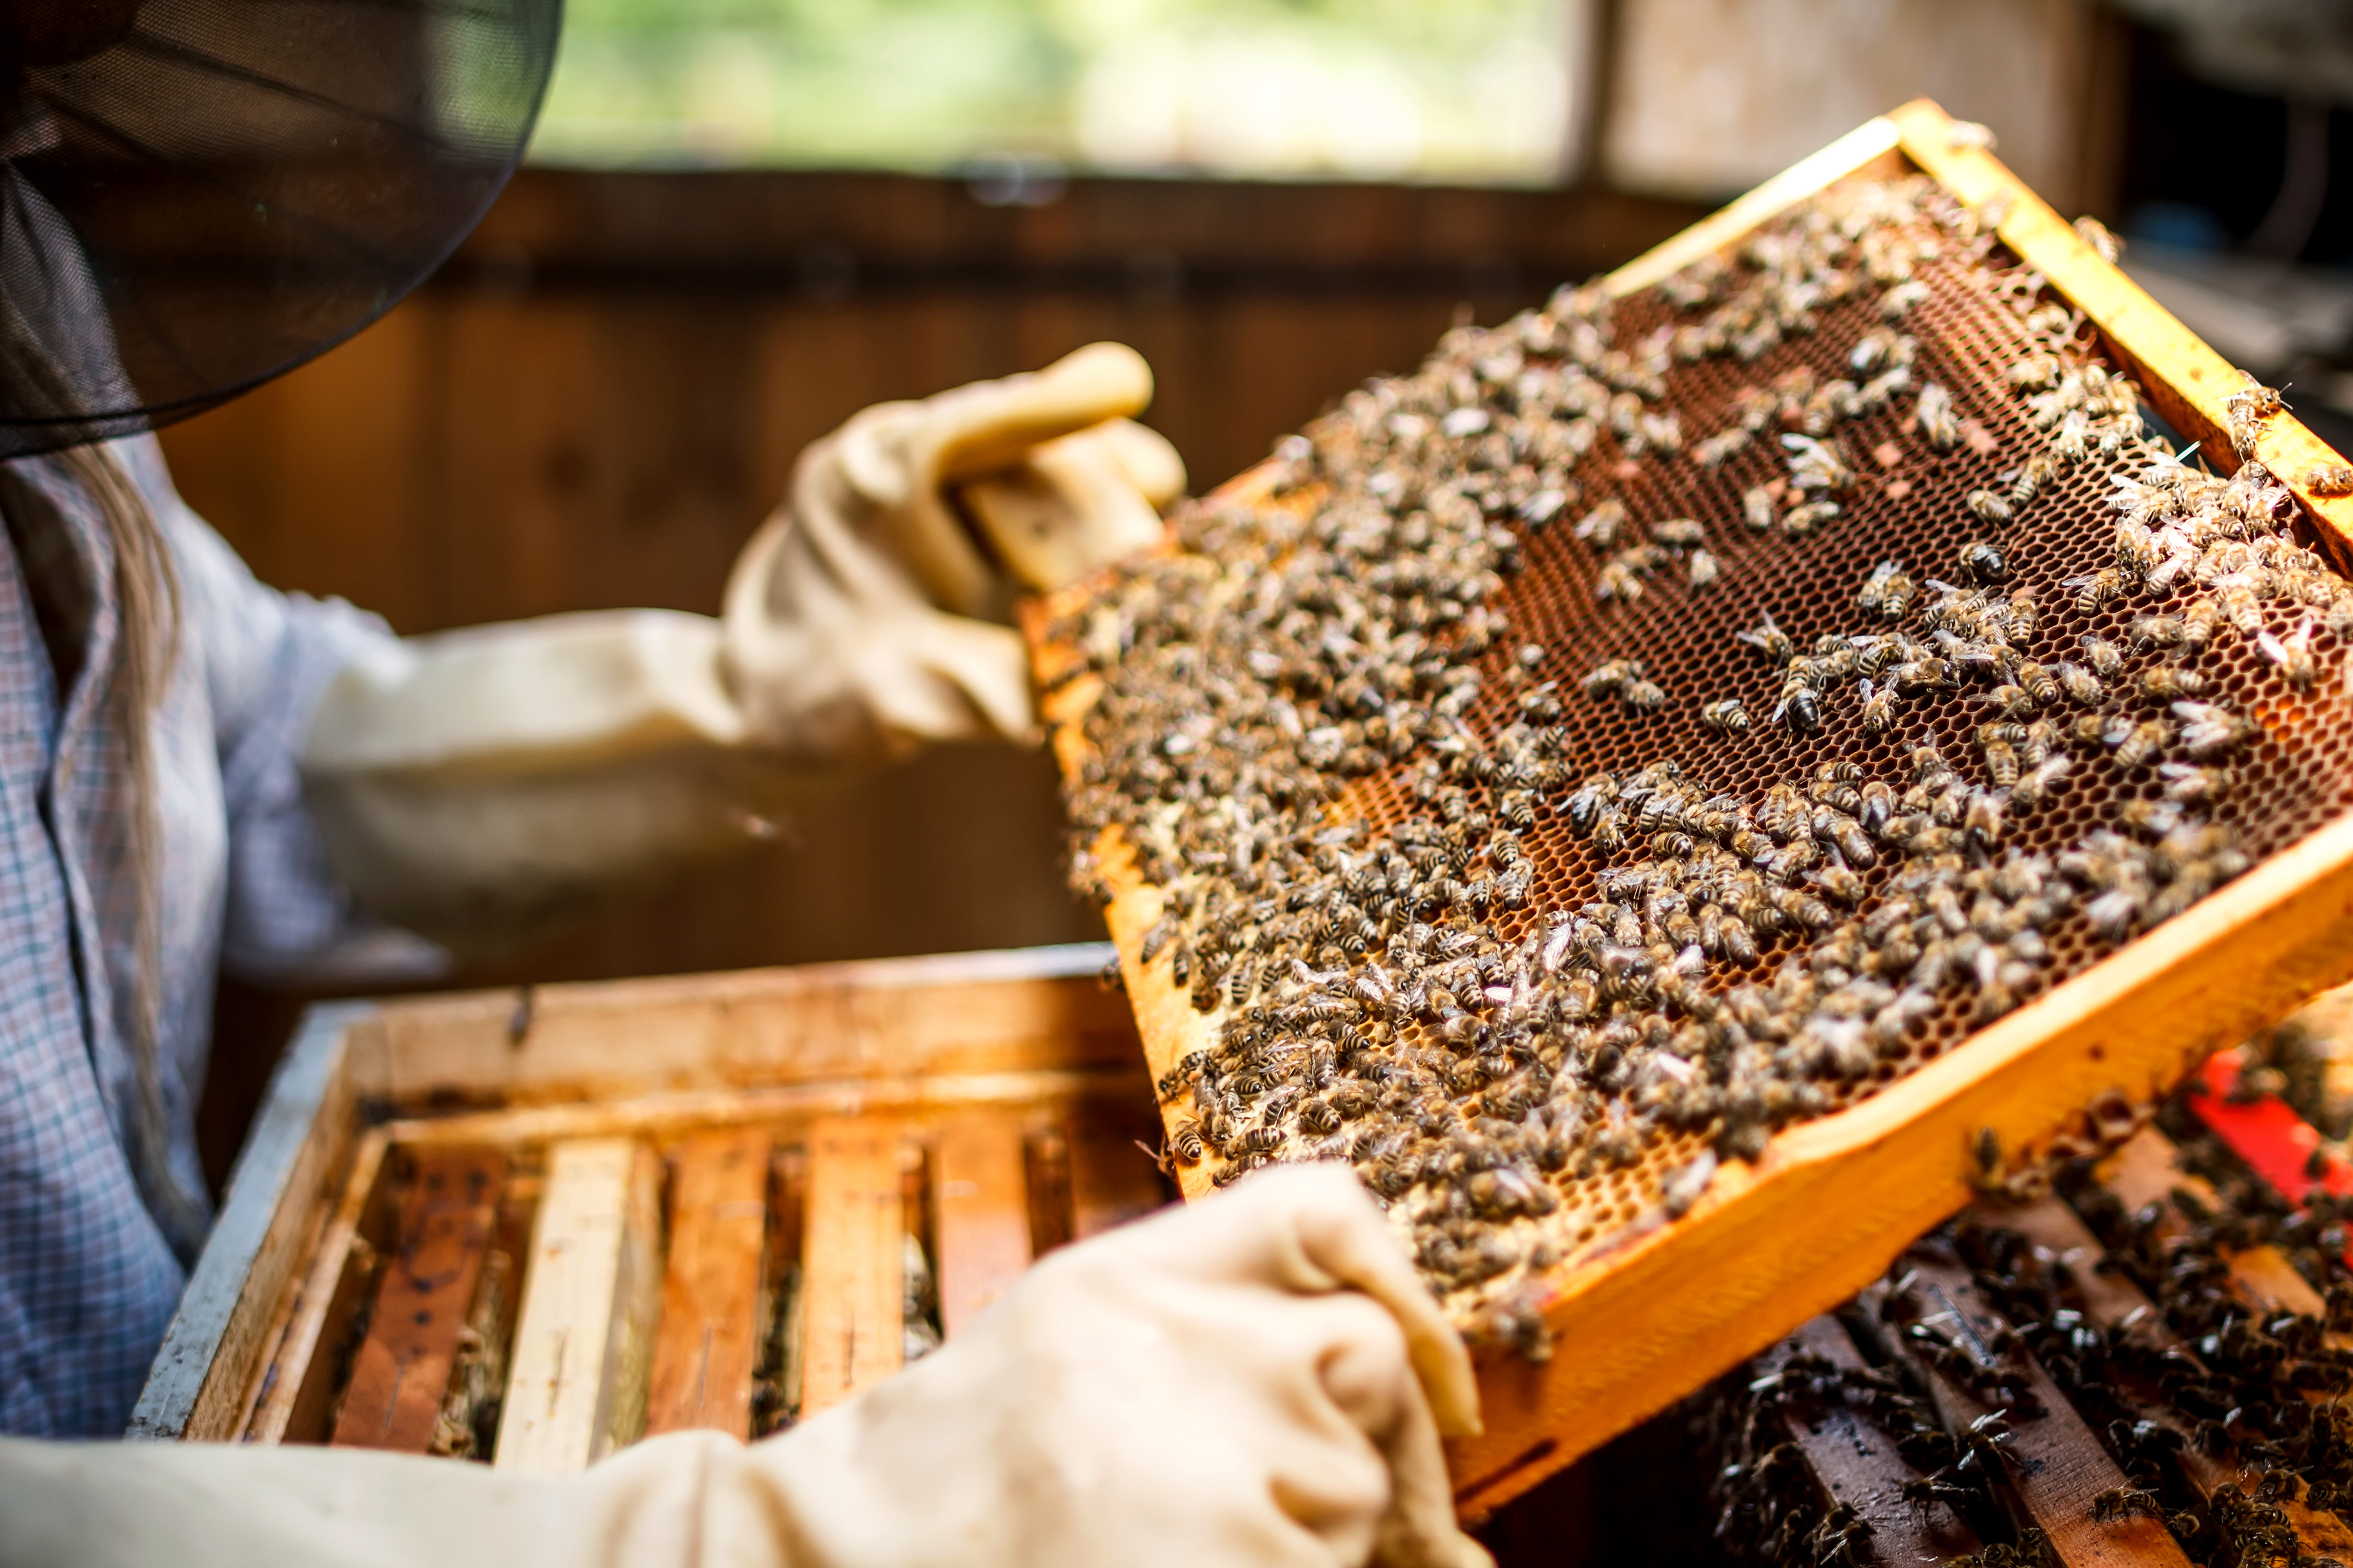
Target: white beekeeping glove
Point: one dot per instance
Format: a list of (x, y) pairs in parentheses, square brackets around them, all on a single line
[(855, 619), (1259, 1379), (480, 784)]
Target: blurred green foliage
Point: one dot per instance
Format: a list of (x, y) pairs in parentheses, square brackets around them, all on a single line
[(1459, 90)]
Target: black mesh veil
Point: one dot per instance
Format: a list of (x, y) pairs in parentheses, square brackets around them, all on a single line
[(196, 195)]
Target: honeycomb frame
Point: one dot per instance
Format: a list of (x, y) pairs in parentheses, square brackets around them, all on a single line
[(1831, 1201)]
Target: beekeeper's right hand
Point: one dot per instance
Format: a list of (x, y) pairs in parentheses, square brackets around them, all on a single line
[(1259, 1379)]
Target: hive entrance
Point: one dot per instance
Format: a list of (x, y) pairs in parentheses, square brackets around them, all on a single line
[(1535, 939)]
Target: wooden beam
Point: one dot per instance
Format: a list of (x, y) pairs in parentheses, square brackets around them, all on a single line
[(707, 1346), (1857, 1463), (980, 1211), (293, 1160), (295, 1384), (853, 1262), (402, 1371), (2058, 1465), (575, 1389), (2113, 1302)]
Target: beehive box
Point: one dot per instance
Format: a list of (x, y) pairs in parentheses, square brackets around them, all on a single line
[(2146, 1370), (531, 1226), (1301, 842)]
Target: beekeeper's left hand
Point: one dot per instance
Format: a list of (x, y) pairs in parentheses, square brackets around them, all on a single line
[(479, 785)]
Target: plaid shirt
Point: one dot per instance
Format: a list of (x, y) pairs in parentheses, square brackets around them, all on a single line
[(88, 1277)]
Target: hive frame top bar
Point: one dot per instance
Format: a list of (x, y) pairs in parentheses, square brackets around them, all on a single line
[(1655, 1312)]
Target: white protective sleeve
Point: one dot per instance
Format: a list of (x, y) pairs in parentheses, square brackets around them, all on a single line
[(1259, 1379), (479, 784)]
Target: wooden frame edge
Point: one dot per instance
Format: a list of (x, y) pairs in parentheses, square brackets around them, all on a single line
[(297, 1144), (1834, 1201), (2188, 382)]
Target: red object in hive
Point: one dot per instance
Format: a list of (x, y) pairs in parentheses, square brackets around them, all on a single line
[(2266, 1132)]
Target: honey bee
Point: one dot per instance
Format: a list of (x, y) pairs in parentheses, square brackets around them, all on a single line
[(1727, 716), (2036, 372), (1878, 708), (1982, 819), (2001, 762), (2153, 631), (1757, 508), (2200, 621), (1931, 411), (2246, 409), (1610, 676), (2094, 591), (1753, 408), (2142, 744), (2105, 661), (1887, 592), (1643, 696), (1600, 527), (2168, 682), (2034, 786), (2190, 785), (2027, 479), (1983, 561), (1879, 349), (1816, 464), (2080, 685), (1185, 1143), (2293, 654), (1802, 520), (2209, 732), (1678, 532), (1617, 582), (1721, 448), (1770, 640), (1703, 570), (1989, 507), (1897, 302), (1801, 707)]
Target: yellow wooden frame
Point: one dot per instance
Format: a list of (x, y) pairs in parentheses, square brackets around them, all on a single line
[(1645, 1318)]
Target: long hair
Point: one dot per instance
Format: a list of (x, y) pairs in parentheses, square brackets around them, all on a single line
[(58, 359), (147, 593)]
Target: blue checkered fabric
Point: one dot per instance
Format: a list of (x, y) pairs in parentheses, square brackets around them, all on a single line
[(88, 1277)]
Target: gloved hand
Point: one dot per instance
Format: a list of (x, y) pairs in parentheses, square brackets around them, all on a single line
[(479, 785), (1259, 1379), (854, 617)]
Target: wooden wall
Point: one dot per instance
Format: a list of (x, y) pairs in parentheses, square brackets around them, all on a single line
[(600, 397)]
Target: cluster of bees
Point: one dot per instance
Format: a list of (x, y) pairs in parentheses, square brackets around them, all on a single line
[(2261, 1391), (1324, 734)]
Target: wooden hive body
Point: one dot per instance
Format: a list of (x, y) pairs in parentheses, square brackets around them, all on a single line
[(1644, 1308), (530, 1227)]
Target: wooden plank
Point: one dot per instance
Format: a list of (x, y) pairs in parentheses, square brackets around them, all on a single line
[(292, 1393), (2143, 1172), (667, 1115), (1857, 1464), (853, 1265), (2059, 1466), (2110, 1301), (956, 1014), (292, 1161), (576, 1386), (706, 1347), (981, 1214), (402, 1371), (1111, 1180)]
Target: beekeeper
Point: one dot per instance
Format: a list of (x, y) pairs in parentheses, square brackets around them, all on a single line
[(200, 773)]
